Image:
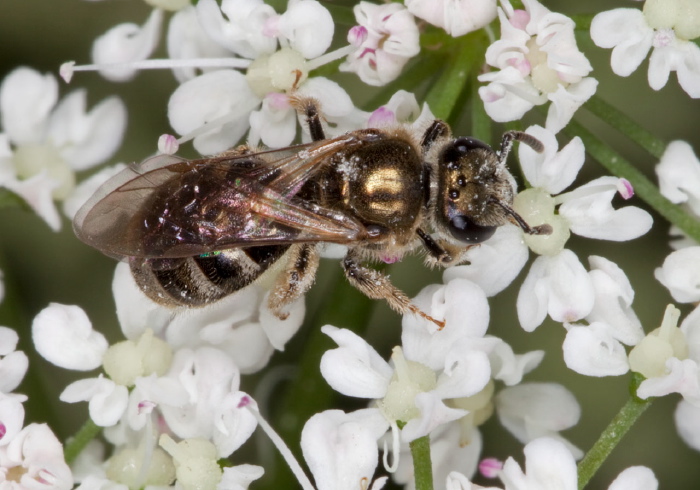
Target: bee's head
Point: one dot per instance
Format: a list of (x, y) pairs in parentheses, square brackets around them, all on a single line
[(471, 182)]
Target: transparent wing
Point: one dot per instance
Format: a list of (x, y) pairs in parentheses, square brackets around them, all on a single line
[(171, 207)]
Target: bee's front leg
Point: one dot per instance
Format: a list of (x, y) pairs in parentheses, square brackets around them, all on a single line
[(440, 252), (310, 109), (296, 278), (376, 285)]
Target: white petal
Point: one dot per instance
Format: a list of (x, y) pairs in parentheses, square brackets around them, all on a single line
[(107, 400), (509, 367), (592, 351), (308, 26), (12, 416), (558, 285), (551, 170), (682, 377), (679, 175), (135, 311), (532, 410), (626, 30), (566, 101), (126, 43), (508, 97), (280, 331), (37, 191), (234, 427), (433, 414), (240, 477), (87, 139), (13, 367), (466, 373), (8, 340), (40, 454), (275, 127), (463, 306), (589, 211), (688, 70), (636, 477), (494, 264), (341, 449), (687, 418), (549, 464), (208, 97), (26, 100), (354, 368), (187, 39), (63, 335), (242, 31), (680, 274)]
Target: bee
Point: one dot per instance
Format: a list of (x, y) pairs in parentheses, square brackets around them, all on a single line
[(195, 231)]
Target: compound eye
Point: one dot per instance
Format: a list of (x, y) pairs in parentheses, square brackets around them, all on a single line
[(458, 148), (465, 230)]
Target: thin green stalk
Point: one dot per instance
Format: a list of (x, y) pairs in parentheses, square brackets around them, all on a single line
[(623, 123), (643, 187), (85, 434), (444, 94), (611, 436), (422, 465), (481, 122)]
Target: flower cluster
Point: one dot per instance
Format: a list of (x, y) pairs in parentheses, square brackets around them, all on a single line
[(173, 400)]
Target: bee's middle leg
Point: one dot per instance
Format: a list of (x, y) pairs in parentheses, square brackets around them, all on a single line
[(376, 285), (296, 278)]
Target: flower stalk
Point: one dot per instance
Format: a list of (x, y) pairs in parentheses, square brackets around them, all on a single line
[(613, 434), (82, 438), (422, 463)]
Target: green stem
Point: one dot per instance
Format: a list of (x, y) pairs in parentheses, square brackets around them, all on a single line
[(444, 94), (626, 126), (81, 439), (643, 187), (612, 435), (422, 465)]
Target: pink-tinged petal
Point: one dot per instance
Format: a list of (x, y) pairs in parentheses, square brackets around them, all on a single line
[(687, 418), (233, 427), (508, 97), (11, 417), (613, 301), (63, 335), (85, 138), (341, 449), (589, 212), (592, 351), (433, 413), (494, 264), (26, 100), (637, 477), (40, 454), (354, 368), (627, 32), (126, 43), (680, 274)]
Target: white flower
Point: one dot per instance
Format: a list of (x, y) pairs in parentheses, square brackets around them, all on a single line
[(341, 448), (13, 363), (667, 26), (457, 17), (386, 38), (11, 416), (680, 274), (687, 419), (596, 349), (533, 410), (557, 283), (433, 365), (34, 459), (45, 143), (240, 324), (537, 60)]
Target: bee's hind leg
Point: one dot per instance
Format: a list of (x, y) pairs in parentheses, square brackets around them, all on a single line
[(376, 285), (296, 278)]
